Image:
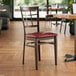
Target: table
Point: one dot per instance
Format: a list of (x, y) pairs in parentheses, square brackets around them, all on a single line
[(68, 16)]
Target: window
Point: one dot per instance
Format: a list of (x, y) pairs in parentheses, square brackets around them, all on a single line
[(40, 3)]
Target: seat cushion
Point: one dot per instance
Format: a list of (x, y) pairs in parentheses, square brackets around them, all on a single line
[(40, 35), (49, 15)]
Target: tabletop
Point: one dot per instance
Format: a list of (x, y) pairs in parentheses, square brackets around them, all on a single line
[(67, 16)]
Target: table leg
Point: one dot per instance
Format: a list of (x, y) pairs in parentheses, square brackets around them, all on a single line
[(72, 58)]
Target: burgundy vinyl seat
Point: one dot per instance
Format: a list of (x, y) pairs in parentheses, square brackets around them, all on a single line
[(49, 15), (40, 35)]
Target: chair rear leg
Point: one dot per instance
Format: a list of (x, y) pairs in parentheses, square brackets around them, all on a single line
[(36, 54), (39, 53), (61, 26), (55, 49), (51, 22), (65, 28)]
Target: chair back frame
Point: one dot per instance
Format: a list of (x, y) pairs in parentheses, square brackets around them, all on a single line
[(24, 17)]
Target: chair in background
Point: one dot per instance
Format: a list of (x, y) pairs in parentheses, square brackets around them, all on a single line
[(51, 18), (35, 37), (64, 11), (0, 24), (5, 16)]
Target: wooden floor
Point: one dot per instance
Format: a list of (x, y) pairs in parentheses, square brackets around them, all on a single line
[(11, 43)]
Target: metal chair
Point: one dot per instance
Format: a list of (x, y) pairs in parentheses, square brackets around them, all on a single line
[(35, 37), (51, 18)]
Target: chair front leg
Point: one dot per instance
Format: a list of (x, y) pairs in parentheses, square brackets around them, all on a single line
[(55, 49), (23, 52), (36, 54)]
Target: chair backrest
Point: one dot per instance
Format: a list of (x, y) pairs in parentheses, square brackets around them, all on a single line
[(64, 10), (30, 12), (5, 13)]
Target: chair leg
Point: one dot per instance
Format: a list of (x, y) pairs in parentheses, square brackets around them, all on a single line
[(61, 26), (36, 54), (0, 31), (23, 52), (55, 49), (39, 52), (65, 28), (51, 22)]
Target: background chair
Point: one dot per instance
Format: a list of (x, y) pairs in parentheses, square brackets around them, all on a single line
[(51, 19), (0, 24), (64, 11), (5, 15), (35, 37)]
